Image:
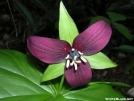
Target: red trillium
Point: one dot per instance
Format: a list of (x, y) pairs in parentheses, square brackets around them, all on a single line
[(77, 68)]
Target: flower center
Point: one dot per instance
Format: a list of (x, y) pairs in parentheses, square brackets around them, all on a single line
[(73, 58)]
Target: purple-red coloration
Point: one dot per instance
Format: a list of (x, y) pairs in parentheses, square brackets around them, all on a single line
[(78, 77), (48, 50), (93, 39)]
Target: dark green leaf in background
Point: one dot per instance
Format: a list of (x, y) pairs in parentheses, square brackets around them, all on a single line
[(25, 13), (97, 18), (125, 48), (123, 30), (40, 4), (115, 16), (130, 65)]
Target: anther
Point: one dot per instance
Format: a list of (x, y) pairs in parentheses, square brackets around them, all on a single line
[(67, 56), (78, 61), (72, 63), (75, 66), (83, 59), (75, 58), (80, 53), (67, 63)]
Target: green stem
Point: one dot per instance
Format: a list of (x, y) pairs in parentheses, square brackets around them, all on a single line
[(61, 82)]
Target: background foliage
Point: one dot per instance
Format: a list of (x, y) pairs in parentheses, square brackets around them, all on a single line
[(20, 19)]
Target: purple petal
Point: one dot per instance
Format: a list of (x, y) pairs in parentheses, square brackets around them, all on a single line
[(48, 50), (78, 77), (94, 38)]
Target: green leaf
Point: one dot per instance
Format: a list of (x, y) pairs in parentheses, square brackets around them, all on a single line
[(96, 92), (100, 61), (19, 80), (119, 84), (25, 13), (116, 16), (40, 4), (97, 18), (123, 30), (53, 71), (125, 48), (111, 83), (67, 28)]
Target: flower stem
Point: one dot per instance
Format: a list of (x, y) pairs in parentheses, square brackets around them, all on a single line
[(61, 82)]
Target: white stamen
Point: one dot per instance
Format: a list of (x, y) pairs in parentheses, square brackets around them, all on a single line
[(67, 56), (83, 59), (67, 63), (78, 61), (75, 66), (73, 49), (75, 58), (80, 53), (72, 63)]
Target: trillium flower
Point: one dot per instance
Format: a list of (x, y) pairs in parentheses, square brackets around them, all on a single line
[(77, 69)]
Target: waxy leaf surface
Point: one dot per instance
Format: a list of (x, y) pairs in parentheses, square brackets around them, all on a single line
[(96, 92), (20, 81)]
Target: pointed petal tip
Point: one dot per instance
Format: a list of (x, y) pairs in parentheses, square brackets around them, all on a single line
[(94, 38), (79, 77)]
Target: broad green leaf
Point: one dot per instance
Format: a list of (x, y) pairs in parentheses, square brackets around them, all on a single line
[(19, 80), (96, 92), (123, 30), (53, 71), (40, 4), (125, 48), (100, 61), (111, 83), (116, 16), (119, 84), (67, 28), (97, 18), (25, 13)]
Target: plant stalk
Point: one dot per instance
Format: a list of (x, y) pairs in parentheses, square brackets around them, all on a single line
[(61, 82)]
